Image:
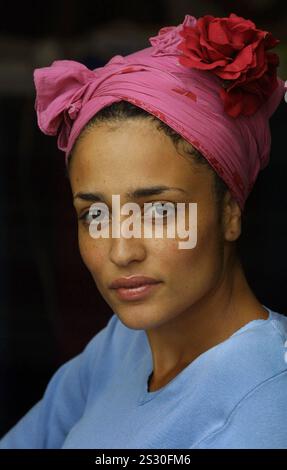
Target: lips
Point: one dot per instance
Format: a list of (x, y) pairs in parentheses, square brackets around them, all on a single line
[(132, 282)]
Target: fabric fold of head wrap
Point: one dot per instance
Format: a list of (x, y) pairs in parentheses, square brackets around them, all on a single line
[(68, 95)]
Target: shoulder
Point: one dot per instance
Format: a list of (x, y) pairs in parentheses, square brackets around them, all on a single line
[(257, 421), (254, 353), (47, 424), (250, 372)]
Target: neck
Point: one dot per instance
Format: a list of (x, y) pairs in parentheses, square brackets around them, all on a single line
[(228, 307)]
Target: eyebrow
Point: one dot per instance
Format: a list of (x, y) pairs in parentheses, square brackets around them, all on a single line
[(132, 194)]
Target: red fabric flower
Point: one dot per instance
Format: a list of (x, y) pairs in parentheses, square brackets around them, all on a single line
[(235, 50)]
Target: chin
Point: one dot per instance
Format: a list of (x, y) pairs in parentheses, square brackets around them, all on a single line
[(141, 316)]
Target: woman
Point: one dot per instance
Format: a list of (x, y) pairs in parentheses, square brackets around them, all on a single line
[(190, 357)]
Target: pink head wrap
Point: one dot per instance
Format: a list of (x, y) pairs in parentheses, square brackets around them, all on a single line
[(68, 95)]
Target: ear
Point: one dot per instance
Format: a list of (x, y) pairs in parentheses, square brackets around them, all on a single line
[(231, 218)]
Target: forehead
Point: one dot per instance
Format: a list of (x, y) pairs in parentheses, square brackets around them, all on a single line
[(133, 151)]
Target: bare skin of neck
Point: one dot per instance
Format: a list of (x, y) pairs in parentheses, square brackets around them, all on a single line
[(201, 328)]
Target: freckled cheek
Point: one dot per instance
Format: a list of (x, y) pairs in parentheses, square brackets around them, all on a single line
[(93, 254), (168, 259), (200, 265), (180, 267)]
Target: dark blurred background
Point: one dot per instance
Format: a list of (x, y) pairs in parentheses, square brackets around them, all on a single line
[(50, 306)]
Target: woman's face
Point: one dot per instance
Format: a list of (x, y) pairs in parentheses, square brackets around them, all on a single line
[(119, 158)]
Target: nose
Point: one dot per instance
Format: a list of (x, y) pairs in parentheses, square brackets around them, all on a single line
[(126, 250)]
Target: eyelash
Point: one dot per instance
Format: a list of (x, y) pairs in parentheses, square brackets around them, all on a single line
[(83, 216)]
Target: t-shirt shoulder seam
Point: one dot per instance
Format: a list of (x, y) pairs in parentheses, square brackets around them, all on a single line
[(239, 404), (277, 329)]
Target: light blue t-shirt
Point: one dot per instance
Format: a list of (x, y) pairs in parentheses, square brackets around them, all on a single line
[(233, 395)]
